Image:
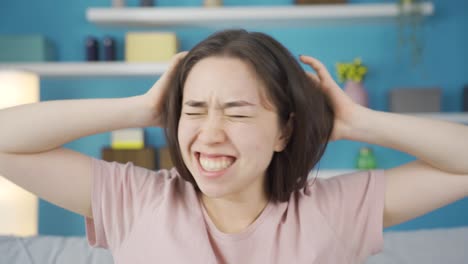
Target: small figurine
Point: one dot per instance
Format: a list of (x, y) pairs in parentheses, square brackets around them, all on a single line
[(366, 159)]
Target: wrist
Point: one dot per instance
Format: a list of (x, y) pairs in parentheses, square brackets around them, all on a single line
[(144, 112), (357, 125)]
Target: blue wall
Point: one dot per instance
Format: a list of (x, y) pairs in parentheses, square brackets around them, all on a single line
[(443, 65)]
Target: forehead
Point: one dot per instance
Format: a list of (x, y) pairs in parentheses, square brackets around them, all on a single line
[(224, 78)]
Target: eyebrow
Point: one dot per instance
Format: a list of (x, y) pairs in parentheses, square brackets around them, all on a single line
[(231, 104)]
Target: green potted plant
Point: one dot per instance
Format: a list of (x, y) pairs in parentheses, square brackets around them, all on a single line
[(352, 74)]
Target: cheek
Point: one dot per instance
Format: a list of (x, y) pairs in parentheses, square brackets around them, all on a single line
[(256, 149), (185, 134), (252, 139)]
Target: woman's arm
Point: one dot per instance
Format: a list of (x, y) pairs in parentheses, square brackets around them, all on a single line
[(441, 144), (31, 137), (438, 178), (39, 127)]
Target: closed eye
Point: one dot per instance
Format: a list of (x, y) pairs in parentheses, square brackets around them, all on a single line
[(231, 116), (239, 116)]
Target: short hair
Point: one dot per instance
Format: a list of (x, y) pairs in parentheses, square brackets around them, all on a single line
[(288, 88)]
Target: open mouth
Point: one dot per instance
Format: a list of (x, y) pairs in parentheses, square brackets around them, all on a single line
[(214, 164)]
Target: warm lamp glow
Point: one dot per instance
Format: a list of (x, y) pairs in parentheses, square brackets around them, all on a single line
[(18, 88), (18, 207)]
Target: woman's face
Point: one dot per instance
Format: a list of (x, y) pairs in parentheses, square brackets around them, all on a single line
[(226, 135)]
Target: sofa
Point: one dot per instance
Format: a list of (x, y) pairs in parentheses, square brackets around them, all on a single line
[(431, 246)]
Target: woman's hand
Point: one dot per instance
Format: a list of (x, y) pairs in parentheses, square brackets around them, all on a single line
[(344, 107), (154, 96)]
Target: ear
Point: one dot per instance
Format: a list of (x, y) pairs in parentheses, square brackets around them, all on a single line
[(285, 135)]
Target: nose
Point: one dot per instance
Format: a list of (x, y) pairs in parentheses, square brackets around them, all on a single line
[(212, 130)]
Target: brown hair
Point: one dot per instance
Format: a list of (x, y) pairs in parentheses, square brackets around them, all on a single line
[(288, 88)]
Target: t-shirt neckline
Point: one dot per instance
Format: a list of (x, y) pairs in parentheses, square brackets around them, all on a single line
[(213, 229)]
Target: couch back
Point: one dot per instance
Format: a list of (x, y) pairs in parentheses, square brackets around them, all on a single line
[(431, 246), (51, 249)]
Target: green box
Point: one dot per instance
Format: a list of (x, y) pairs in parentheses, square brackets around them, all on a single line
[(25, 48)]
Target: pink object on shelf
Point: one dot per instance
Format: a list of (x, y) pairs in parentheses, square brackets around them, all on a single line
[(357, 92)]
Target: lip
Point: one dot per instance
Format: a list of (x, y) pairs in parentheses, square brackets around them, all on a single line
[(211, 174)]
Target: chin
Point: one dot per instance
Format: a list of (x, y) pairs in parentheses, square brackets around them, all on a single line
[(213, 191)]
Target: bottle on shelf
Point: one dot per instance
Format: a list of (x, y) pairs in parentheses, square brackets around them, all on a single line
[(92, 49), (109, 49)]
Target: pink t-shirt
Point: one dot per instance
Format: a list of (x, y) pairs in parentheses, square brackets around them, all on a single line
[(145, 216)]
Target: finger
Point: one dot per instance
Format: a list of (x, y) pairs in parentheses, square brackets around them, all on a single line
[(318, 66), (175, 60), (313, 77)]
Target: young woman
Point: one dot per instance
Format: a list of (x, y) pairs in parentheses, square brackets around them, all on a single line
[(245, 124)]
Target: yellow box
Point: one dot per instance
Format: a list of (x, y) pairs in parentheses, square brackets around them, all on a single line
[(150, 46), (128, 138)]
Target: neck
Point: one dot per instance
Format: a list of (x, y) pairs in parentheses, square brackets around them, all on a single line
[(234, 214)]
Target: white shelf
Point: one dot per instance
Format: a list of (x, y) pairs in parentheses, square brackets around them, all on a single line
[(246, 16), (89, 69)]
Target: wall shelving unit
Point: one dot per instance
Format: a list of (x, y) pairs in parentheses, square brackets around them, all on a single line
[(246, 16), (222, 17)]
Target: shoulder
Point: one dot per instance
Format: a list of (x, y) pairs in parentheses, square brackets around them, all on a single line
[(349, 206), (343, 190), (345, 183), (129, 174)]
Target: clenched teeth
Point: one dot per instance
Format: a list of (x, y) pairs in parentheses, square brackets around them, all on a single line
[(216, 164)]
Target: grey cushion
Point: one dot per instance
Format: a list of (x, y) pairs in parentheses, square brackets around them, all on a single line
[(430, 246), (50, 249)]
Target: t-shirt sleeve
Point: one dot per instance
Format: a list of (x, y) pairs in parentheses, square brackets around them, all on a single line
[(119, 192), (354, 205)]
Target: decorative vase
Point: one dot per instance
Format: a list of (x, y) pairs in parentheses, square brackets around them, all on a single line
[(357, 92)]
